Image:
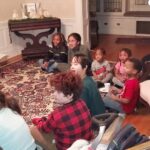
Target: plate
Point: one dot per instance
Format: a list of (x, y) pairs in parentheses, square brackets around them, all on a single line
[(104, 90)]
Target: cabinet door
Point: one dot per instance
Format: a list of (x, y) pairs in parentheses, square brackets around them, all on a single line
[(114, 25), (112, 5)]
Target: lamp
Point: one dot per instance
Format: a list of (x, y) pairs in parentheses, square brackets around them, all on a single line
[(148, 2)]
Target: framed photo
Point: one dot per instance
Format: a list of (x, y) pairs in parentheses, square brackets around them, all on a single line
[(29, 8)]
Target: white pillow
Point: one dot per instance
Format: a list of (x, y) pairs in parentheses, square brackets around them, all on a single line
[(145, 91)]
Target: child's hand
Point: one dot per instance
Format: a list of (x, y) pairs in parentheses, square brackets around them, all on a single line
[(122, 78), (113, 96), (100, 78), (95, 77), (35, 121), (113, 90)]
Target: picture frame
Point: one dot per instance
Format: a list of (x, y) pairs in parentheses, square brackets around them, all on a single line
[(29, 8)]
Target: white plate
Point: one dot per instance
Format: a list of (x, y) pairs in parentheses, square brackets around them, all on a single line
[(103, 90)]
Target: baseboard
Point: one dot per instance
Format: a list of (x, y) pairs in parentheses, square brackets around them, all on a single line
[(11, 61)]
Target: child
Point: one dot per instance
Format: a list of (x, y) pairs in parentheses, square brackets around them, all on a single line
[(58, 53), (90, 94), (119, 71), (71, 120), (59, 49), (125, 100), (13, 128), (75, 47), (100, 67)]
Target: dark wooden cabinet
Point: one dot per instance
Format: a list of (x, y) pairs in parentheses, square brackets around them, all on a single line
[(36, 49)]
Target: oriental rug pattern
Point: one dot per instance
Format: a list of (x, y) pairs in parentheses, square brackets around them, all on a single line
[(26, 82)]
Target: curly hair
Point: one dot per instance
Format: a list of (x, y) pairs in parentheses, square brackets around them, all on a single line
[(137, 64), (62, 38), (127, 50), (68, 83), (102, 50)]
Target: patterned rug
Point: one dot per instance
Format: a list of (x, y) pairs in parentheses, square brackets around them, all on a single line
[(26, 82)]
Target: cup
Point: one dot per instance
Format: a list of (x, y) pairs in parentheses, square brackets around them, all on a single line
[(107, 86)]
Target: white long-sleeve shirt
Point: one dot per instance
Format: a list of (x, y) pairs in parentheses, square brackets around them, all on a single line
[(14, 132)]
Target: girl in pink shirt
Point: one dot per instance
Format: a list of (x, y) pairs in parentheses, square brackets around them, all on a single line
[(119, 71)]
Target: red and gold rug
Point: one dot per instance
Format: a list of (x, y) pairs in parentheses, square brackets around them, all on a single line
[(26, 82)]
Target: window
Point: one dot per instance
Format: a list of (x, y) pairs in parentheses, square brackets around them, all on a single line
[(112, 5), (94, 5), (98, 5), (141, 2)]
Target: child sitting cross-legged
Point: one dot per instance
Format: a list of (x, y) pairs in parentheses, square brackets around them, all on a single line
[(58, 54), (125, 99), (119, 70), (100, 67)]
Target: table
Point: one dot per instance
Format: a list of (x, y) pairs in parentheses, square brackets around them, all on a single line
[(37, 48)]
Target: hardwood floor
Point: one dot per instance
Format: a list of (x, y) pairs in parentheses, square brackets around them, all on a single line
[(140, 119)]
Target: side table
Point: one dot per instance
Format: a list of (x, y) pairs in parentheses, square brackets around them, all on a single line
[(36, 49)]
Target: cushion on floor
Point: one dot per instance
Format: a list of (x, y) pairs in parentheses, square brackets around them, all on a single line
[(144, 91)]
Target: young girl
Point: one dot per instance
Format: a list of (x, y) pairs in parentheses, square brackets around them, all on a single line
[(75, 46), (58, 53), (100, 67), (120, 74)]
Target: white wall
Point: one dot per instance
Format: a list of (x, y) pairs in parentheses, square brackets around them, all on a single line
[(57, 8), (64, 10)]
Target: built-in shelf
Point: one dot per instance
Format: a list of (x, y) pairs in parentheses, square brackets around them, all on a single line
[(137, 13)]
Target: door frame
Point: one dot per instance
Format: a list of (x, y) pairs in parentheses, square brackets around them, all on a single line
[(79, 20)]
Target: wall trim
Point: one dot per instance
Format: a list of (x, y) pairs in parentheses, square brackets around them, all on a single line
[(11, 60)]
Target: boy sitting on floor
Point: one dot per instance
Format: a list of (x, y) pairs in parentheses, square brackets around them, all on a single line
[(125, 100)]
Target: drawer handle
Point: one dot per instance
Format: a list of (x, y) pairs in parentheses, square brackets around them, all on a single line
[(118, 24), (105, 23)]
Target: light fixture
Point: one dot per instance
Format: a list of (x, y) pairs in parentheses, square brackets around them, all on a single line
[(148, 2)]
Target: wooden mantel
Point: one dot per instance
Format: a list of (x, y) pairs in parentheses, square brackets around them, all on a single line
[(35, 49)]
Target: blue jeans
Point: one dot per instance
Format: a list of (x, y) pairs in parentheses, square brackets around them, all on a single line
[(51, 67), (108, 102)]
